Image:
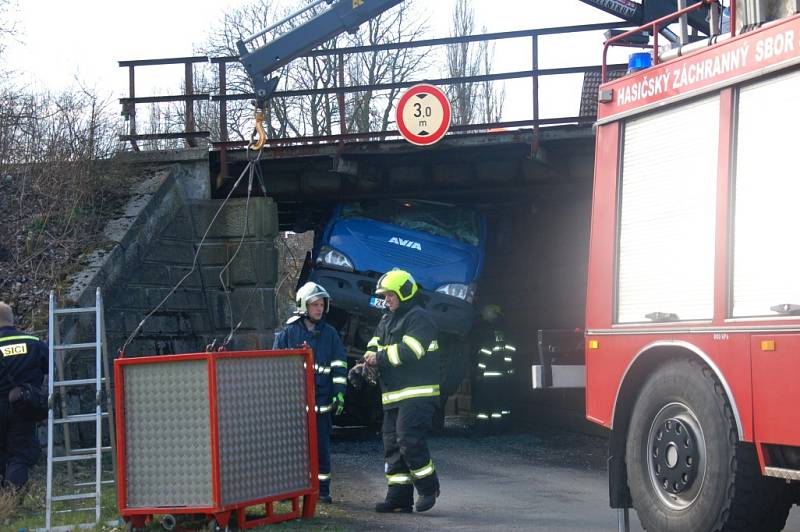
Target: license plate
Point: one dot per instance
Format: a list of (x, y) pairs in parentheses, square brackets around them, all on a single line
[(377, 302)]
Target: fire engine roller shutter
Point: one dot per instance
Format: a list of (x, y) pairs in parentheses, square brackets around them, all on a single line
[(766, 255), (667, 213)]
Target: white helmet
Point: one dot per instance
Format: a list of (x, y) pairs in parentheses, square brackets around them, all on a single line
[(308, 293)]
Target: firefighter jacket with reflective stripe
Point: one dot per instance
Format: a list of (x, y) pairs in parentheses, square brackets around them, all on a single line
[(330, 363), (407, 353), (24, 359), (496, 357)]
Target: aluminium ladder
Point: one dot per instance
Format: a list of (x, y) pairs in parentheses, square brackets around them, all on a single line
[(57, 385)]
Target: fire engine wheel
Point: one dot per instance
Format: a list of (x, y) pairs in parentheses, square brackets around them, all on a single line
[(687, 471)]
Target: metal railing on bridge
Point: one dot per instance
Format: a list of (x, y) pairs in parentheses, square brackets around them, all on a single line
[(219, 135)]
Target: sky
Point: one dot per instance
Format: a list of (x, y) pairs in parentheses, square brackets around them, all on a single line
[(60, 41)]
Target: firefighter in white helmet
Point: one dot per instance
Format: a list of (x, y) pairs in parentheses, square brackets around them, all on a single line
[(330, 367), (404, 348)]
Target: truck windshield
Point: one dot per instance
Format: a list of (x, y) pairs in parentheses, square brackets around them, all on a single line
[(439, 219)]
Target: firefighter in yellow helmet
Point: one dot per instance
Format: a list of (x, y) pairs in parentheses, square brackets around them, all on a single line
[(404, 348)]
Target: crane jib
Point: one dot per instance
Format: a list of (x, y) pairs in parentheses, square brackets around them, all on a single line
[(344, 15)]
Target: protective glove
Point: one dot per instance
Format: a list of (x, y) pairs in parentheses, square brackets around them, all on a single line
[(362, 375), (356, 376), (15, 394), (338, 403)]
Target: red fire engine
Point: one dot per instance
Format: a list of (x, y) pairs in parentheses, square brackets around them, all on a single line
[(693, 302)]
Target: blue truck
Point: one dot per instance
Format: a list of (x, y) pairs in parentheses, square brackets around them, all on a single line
[(442, 245)]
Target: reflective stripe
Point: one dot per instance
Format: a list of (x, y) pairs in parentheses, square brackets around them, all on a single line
[(15, 338), (398, 479), (483, 416), (482, 366), (340, 380), (338, 364), (486, 351), (323, 409), (497, 348), (508, 359), (11, 350), (434, 346), (423, 471), (321, 370), (394, 356), (407, 393), (324, 476), (492, 374), (496, 416), (505, 412), (373, 342), (414, 345), (511, 347)]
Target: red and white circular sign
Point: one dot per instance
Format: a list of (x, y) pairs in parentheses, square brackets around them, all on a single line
[(423, 114)]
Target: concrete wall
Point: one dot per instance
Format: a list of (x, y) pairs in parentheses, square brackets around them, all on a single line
[(154, 245), (151, 247)]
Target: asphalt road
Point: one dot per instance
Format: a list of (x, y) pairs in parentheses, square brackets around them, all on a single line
[(537, 479)]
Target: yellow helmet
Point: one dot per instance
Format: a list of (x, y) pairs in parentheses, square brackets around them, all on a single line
[(398, 281)]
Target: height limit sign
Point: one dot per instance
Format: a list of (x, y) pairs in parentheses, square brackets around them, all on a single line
[(423, 115)]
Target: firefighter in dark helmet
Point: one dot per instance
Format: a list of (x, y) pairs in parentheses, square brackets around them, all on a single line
[(494, 372), (405, 350), (330, 367)]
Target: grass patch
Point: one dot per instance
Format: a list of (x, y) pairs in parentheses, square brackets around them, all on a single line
[(28, 508), (26, 511)]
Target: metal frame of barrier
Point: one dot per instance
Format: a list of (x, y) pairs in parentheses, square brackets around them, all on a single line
[(224, 497)]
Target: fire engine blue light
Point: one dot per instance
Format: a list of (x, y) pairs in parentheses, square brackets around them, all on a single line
[(639, 61)]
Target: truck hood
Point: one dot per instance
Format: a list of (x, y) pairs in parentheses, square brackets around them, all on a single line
[(379, 247)]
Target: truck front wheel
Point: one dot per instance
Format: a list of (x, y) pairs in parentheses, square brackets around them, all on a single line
[(687, 471)]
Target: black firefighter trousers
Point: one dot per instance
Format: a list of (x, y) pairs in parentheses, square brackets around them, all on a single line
[(408, 461), (19, 446)]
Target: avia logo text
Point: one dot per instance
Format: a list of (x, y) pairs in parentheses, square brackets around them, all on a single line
[(406, 243)]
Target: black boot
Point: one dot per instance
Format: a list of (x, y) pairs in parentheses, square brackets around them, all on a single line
[(399, 499), (428, 490), (388, 507), (426, 502)]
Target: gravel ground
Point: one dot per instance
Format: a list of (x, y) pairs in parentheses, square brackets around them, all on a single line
[(536, 479), (524, 480)]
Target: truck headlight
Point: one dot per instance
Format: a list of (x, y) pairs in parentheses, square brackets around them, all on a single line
[(334, 259), (461, 291)]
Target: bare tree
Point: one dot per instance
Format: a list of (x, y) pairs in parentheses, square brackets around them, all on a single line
[(371, 110), (7, 30), (57, 187), (462, 61), (471, 101), (318, 114), (238, 24), (491, 99)]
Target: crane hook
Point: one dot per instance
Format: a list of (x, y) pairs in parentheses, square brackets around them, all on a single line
[(259, 137)]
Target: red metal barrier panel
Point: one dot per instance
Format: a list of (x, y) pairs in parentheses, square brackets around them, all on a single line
[(216, 433)]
